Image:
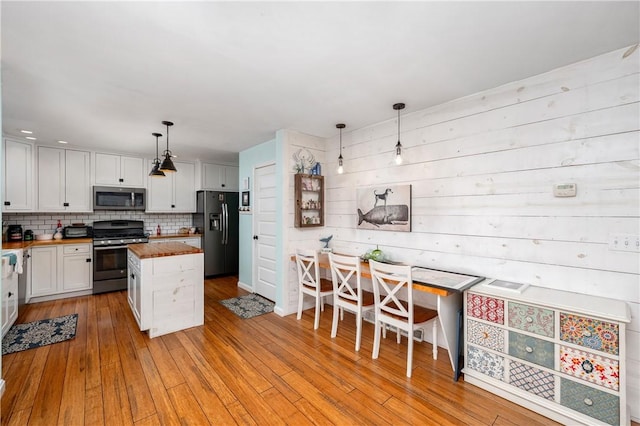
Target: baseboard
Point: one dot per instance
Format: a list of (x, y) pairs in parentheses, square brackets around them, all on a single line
[(246, 287)]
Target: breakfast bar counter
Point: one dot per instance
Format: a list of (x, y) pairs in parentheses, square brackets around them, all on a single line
[(166, 286)]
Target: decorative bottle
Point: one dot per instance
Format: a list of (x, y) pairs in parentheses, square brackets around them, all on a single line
[(58, 234)]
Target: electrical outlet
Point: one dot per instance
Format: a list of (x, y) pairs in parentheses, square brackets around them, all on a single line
[(624, 242)]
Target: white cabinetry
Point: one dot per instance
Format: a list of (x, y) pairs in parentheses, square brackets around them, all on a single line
[(167, 293), (558, 353), (119, 170), (60, 269), (64, 180), (17, 183), (133, 287), (9, 292), (218, 177), (174, 193)]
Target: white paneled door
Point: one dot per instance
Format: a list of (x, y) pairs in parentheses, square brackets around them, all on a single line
[(264, 227)]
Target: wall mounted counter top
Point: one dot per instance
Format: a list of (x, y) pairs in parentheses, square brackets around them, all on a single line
[(145, 251)]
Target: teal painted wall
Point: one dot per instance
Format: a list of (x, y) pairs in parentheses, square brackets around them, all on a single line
[(248, 160)]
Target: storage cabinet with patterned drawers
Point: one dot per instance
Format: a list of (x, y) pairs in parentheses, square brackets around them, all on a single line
[(558, 353)]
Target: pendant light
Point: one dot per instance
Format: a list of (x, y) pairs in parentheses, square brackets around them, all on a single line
[(398, 107), (340, 169), (155, 171), (167, 163)]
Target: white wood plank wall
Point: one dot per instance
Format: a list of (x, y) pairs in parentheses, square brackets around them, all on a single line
[(482, 169)]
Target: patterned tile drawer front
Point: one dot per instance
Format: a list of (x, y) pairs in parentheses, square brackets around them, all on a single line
[(591, 333), (592, 402), (530, 349), (588, 366), (532, 319), (486, 308), (485, 362), (486, 335), (532, 380)]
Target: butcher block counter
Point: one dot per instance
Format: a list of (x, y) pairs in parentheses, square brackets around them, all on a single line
[(166, 286), (145, 251)]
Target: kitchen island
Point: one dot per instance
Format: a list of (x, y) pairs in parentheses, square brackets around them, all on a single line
[(166, 286)]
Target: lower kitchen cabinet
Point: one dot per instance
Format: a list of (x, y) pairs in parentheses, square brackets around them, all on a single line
[(558, 353), (9, 296), (60, 269), (166, 293)]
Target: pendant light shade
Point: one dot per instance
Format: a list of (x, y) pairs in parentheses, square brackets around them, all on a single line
[(167, 164), (155, 170), (340, 168), (398, 107)]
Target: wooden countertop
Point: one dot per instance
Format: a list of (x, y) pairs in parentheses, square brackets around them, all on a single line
[(10, 245), (161, 236), (146, 251)]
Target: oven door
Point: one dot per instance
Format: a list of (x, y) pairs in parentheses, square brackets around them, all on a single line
[(109, 263)]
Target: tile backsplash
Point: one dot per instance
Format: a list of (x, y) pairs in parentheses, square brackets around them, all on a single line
[(40, 223)]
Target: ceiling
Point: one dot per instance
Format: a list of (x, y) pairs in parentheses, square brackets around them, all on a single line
[(103, 75)]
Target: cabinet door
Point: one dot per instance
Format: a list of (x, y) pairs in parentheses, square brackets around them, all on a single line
[(9, 301), (212, 176), (107, 169), (18, 171), (76, 270), (77, 181), (160, 192), (44, 271), (231, 178), (132, 171), (185, 190), (51, 179)]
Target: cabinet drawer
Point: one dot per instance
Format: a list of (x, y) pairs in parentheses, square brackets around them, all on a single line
[(590, 367), (485, 308), (173, 264), (531, 349), (486, 335), (485, 362), (532, 380), (590, 333), (589, 401), (532, 319), (80, 249)]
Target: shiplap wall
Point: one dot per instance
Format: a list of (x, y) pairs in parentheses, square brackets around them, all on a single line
[(482, 169)]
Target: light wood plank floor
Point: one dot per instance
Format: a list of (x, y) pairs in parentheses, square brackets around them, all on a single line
[(266, 370)]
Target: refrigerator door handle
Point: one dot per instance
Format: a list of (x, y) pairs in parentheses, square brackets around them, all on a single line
[(225, 229)]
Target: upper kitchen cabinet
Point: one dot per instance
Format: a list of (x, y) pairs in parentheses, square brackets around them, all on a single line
[(64, 180), (217, 177), (119, 170), (17, 183), (174, 193)]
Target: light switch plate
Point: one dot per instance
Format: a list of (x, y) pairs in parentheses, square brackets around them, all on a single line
[(624, 242)]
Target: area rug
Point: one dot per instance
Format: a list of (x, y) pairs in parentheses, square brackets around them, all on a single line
[(248, 306), (21, 337)]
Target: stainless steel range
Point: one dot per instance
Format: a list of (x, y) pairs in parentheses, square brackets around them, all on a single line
[(110, 239)]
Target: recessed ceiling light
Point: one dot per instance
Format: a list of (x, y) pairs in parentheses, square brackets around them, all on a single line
[(63, 142), (26, 131), (31, 138)]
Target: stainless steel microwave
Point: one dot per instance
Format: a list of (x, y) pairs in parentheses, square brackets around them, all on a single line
[(117, 198)]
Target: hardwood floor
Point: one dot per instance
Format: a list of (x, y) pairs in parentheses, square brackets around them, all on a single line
[(265, 370)]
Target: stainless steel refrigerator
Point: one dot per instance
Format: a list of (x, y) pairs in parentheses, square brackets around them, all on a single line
[(216, 218)]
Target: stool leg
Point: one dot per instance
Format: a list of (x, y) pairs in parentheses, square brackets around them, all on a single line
[(435, 339)]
